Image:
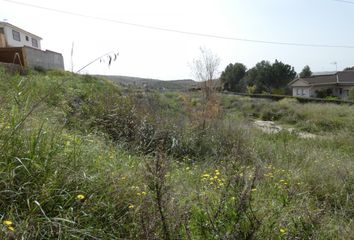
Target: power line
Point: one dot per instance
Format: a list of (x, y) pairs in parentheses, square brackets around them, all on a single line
[(343, 1), (181, 31)]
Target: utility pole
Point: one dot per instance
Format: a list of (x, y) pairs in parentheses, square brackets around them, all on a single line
[(335, 63)]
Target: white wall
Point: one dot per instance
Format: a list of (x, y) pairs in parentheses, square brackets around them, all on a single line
[(301, 91), (13, 43)]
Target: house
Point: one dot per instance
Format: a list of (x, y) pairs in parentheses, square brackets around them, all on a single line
[(12, 36), (336, 84), (23, 48)]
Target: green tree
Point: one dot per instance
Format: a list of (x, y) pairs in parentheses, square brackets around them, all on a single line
[(267, 77), (306, 72), (231, 77), (349, 68)]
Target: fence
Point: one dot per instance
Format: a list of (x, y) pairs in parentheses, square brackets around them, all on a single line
[(30, 58)]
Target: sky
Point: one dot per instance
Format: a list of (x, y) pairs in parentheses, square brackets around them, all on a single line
[(165, 55)]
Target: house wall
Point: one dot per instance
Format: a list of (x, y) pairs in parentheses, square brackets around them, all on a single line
[(11, 42), (2, 38), (45, 59), (339, 91), (301, 91), (343, 91)]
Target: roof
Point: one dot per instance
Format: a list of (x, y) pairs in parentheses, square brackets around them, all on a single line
[(342, 77), (19, 29), (324, 73)]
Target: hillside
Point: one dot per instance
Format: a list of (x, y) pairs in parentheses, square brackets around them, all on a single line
[(154, 84), (83, 158)]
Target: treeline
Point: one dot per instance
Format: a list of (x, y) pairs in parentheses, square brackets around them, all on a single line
[(265, 77)]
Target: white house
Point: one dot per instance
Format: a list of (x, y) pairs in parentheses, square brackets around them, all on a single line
[(337, 84), (12, 36)]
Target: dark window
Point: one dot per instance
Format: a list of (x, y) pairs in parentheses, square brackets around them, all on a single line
[(34, 43), (340, 91), (27, 38), (16, 35), (1, 30)]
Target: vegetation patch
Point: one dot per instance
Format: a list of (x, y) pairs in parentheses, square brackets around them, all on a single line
[(82, 158)]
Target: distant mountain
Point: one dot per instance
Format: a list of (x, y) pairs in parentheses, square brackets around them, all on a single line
[(156, 84)]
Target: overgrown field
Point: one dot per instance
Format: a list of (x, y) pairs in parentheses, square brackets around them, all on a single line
[(82, 158)]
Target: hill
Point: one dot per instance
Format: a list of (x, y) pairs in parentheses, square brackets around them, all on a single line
[(171, 85)]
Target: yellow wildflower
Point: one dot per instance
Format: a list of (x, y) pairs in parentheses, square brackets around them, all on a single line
[(131, 206), (12, 229), (187, 168), (143, 193), (205, 175), (80, 197), (215, 177), (138, 193), (254, 189), (7, 222), (282, 231)]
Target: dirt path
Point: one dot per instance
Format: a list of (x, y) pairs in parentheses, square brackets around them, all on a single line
[(271, 128)]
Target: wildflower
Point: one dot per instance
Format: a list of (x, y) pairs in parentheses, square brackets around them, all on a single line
[(143, 193), (138, 193), (187, 168), (205, 175), (131, 206), (253, 189), (7, 222), (217, 172), (282, 230), (12, 229), (80, 197), (215, 177), (282, 180)]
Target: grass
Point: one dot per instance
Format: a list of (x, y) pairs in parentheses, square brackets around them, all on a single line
[(97, 161)]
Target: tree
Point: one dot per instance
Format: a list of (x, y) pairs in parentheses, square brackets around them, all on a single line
[(267, 77), (306, 72), (205, 69), (231, 77), (349, 68)]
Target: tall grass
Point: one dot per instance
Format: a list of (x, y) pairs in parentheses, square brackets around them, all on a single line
[(96, 161)]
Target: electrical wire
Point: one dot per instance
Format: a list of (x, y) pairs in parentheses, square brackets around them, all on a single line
[(182, 31), (343, 1)]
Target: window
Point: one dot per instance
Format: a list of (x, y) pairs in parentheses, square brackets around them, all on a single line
[(27, 38), (1, 30), (34, 43), (340, 91), (16, 35), (297, 91), (302, 91)]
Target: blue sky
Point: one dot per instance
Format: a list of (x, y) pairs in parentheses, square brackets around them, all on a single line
[(166, 55)]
